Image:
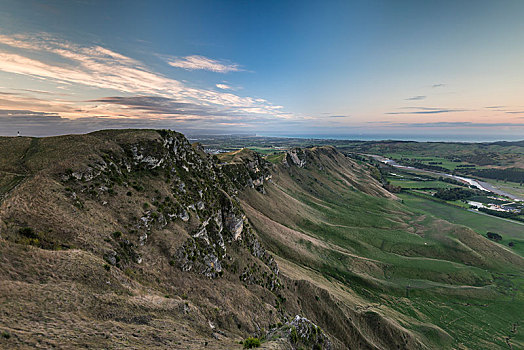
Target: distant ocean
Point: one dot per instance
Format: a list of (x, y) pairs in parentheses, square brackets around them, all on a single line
[(406, 137)]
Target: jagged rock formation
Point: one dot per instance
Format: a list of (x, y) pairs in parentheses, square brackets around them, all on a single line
[(295, 156), (247, 169), (301, 333)]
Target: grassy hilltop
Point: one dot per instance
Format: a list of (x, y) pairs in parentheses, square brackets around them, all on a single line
[(136, 238)]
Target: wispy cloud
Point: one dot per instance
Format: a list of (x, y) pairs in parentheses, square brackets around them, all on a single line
[(167, 107), (427, 110), (438, 85), (506, 109), (105, 72), (224, 86), (196, 62), (416, 98)]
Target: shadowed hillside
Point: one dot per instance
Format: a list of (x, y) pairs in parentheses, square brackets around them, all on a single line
[(136, 238)]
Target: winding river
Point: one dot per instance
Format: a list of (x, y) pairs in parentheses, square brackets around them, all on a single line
[(481, 185)]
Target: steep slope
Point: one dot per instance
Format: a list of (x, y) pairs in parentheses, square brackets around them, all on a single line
[(138, 239), (330, 223)]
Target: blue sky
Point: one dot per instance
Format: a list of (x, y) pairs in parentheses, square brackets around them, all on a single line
[(266, 67)]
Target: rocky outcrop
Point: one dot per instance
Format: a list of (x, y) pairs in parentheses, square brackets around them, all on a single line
[(247, 169), (201, 195), (295, 156), (301, 333)]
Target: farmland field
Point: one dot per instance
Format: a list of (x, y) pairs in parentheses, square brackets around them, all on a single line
[(510, 231)]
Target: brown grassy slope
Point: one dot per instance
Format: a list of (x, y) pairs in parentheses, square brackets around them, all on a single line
[(79, 218), (66, 299), (12, 150)]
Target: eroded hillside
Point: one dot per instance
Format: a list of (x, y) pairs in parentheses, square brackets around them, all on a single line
[(120, 239)]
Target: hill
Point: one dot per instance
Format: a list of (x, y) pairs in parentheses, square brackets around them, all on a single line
[(136, 238)]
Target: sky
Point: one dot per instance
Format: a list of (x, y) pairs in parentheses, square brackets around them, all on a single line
[(384, 69)]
